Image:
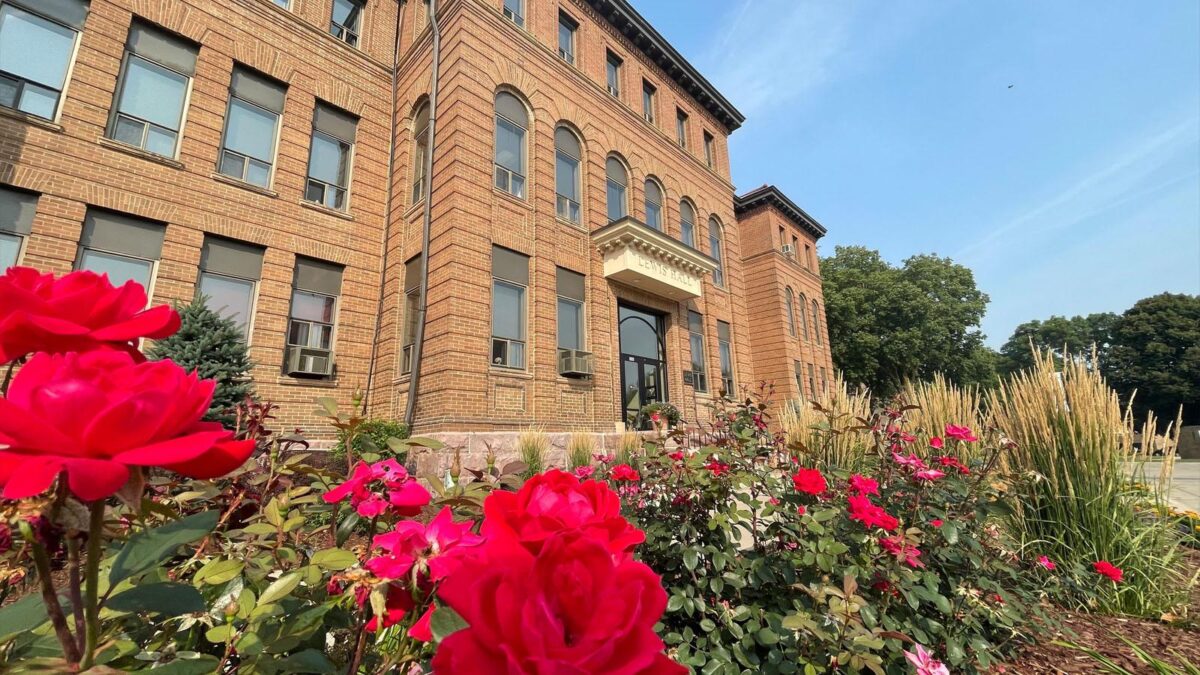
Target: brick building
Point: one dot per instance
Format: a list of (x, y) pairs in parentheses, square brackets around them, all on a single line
[(584, 251)]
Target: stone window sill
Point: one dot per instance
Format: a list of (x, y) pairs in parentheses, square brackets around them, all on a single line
[(250, 187), (508, 196), (513, 373), (326, 210), (33, 120), (138, 152)]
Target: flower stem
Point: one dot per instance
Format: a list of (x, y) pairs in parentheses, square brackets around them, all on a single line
[(49, 598), (74, 585), (8, 378), (92, 578)]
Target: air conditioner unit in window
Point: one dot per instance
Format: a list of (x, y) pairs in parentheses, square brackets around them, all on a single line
[(575, 363), (789, 250), (308, 361)]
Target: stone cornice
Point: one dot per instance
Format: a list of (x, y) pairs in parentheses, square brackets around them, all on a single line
[(769, 195), (630, 232)]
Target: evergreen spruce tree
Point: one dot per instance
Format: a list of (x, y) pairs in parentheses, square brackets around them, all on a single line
[(214, 346)]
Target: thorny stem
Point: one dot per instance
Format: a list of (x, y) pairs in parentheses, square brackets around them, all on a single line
[(360, 646), (49, 598), (74, 583), (94, 551)]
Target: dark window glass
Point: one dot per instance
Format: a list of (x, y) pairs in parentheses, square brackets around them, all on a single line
[(346, 20), (566, 38), (514, 10), (613, 70), (648, 96)]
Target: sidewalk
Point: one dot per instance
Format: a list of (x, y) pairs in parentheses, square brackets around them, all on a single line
[(1185, 483)]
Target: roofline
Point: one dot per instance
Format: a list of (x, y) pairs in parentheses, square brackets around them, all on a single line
[(773, 196), (631, 24)]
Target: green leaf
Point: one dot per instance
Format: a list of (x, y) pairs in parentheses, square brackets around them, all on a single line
[(950, 532), (150, 547), (21, 616), (445, 622), (675, 603), (307, 661), (766, 637), (168, 598), (346, 528), (334, 559), (219, 571), (690, 559), (201, 665), (259, 529), (280, 588), (219, 634)]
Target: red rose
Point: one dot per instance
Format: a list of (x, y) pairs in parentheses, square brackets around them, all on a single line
[(809, 481), (571, 608), (861, 509), (554, 501), (863, 486), (376, 488), (78, 312), (1107, 569), (95, 414), (960, 433)]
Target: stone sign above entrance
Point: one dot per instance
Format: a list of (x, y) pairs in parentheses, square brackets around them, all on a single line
[(649, 260)]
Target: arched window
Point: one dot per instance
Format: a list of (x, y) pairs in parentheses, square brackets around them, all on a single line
[(687, 223), (512, 121), (567, 153), (789, 306), (420, 151), (714, 249), (816, 320), (803, 316), (618, 179), (654, 201)]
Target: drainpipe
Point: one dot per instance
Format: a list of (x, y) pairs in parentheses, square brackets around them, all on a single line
[(387, 216), (414, 381)]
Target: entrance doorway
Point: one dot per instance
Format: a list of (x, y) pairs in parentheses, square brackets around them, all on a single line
[(643, 362)]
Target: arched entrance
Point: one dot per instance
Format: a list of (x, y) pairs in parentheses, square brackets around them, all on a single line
[(643, 362)]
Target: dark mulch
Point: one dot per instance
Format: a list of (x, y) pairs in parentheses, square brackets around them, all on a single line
[(1094, 631)]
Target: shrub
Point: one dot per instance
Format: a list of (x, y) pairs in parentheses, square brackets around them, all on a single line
[(580, 449), (667, 412), (371, 438)]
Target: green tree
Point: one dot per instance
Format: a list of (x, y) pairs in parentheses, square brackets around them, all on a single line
[(888, 324), (215, 348), (1075, 336), (1155, 352)]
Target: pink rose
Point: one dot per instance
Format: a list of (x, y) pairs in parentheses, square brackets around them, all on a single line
[(960, 433)]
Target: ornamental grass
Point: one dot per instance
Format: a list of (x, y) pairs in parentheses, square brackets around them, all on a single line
[(580, 448), (827, 428), (533, 445), (940, 403)]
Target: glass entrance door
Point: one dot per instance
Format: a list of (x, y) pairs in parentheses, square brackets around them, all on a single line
[(643, 362)]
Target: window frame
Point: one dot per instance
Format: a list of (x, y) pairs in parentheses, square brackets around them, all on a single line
[(408, 331), (804, 317), (248, 326), (523, 321), (67, 73), (350, 152), (609, 184), (293, 319), (581, 324), (696, 338), (646, 202), (681, 128), (498, 169), (687, 235), (574, 217), (789, 307), (725, 354), (612, 73), (649, 101), (20, 239), (246, 159), (716, 250), (709, 152), (565, 21), (357, 32), (115, 113), (516, 16), (420, 148), (816, 316)]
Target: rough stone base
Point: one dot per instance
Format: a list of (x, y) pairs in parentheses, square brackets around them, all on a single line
[(473, 449)]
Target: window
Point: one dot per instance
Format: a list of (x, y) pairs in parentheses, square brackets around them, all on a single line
[(613, 70), (782, 237), (420, 151), (803, 316), (795, 246), (514, 11), (16, 220), (725, 349), (687, 223), (816, 321), (696, 341), (315, 290), (346, 21), (654, 201), (824, 381), (329, 157), (123, 247), (155, 78), (812, 381), (567, 153), (229, 272), (708, 149), (617, 180), (511, 122), (798, 369), (283, 3), (251, 126), (789, 307), (412, 306), (649, 92), (714, 249), (35, 54), (808, 257), (570, 309), (510, 280), (566, 38), (681, 128)]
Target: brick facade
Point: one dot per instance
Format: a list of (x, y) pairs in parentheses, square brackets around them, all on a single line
[(71, 164)]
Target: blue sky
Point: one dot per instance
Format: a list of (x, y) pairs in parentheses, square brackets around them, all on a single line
[(1076, 190)]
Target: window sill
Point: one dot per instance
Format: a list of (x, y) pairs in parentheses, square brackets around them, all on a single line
[(577, 382), (520, 201), (138, 152), (318, 383), (514, 373), (33, 120), (251, 187), (570, 223), (326, 210), (413, 208)]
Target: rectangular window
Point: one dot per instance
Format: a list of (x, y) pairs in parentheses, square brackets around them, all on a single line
[(412, 305), (696, 341), (725, 348), (808, 256), (316, 288), (123, 247), (798, 369), (514, 11), (283, 3), (824, 381), (649, 92), (812, 381), (566, 38), (345, 23), (155, 78), (16, 220), (510, 281), (251, 126), (708, 149), (613, 70), (681, 128), (36, 47), (570, 309), (229, 272), (329, 157)]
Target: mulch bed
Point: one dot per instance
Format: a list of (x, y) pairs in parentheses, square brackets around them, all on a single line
[(1095, 631)]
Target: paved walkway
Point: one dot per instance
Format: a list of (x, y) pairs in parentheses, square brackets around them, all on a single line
[(1185, 483)]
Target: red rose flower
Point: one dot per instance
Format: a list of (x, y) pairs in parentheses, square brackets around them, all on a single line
[(936, 522), (1046, 563), (903, 551), (809, 481), (863, 486), (555, 501), (717, 467), (624, 472), (435, 549), (870, 515), (960, 433), (374, 489), (80, 311), (936, 442), (1107, 569), (95, 414), (571, 608)]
